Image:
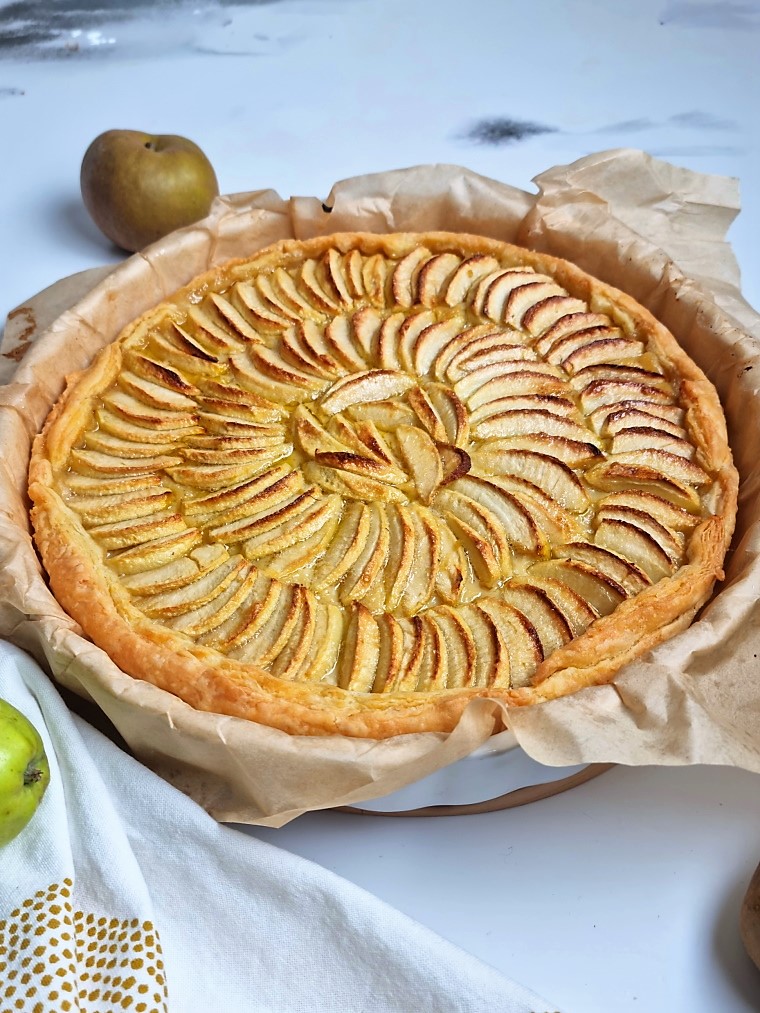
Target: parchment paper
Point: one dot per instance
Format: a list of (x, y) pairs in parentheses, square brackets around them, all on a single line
[(646, 226)]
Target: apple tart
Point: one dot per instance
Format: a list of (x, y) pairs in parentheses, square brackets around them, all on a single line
[(350, 483)]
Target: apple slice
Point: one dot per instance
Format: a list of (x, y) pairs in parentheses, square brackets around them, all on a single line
[(427, 415), (523, 298), (354, 435), (249, 438), (472, 382), (263, 316), (371, 562), (455, 462), (479, 292), (460, 645), (520, 422), (601, 592), (123, 534), (345, 548), (244, 405), (177, 572), (524, 378), (336, 278), (206, 619), (492, 666), (469, 272), (460, 341), (284, 286), (422, 461), (671, 543), (408, 333), (430, 343), (390, 654), (547, 311), (385, 414), (263, 600), (304, 345), (370, 437), (615, 476), (295, 544), (552, 476), (372, 385), (103, 485), (388, 341), (637, 545), (619, 371), (633, 418), (434, 670), (415, 635), (272, 364), (311, 435), (434, 277), (668, 514), (272, 516), (670, 414), (576, 610), (427, 545), (621, 569), (105, 509), (274, 299), (118, 447), (320, 665), (232, 319), (350, 485), (486, 564), (490, 354), (361, 464), (538, 608), (290, 659), (274, 636), (310, 282), (273, 485), (218, 476), (454, 581), (205, 326), (634, 438), (361, 649), (402, 542), (574, 453), (141, 414), (555, 522), (191, 595), (516, 520), (672, 465), (404, 281), (599, 393), (255, 380), (366, 324), (341, 344), (229, 455), (569, 324), (517, 631), (92, 462), (499, 291), (573, 339), (532, 402), (375, 278), (156, 552), (452, 413), (604, 350), (157, 385)]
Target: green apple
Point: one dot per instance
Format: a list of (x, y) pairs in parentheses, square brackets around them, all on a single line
[(24, 771), (139, 187)]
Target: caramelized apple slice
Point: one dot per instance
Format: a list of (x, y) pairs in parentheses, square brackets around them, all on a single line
[(345, 548), (403, 537), (621, 569), (538, 608), (519, 422), (422, 460), (321, 662), (372, 560), (517, 631), (668, 514), (531, 402), (492, 666), (551, 475), (358, 662), (574, 453), (601, 592), (615, 476), (411, 329), (635, 438), (372, 385), (428, 344), (156, 552), (177, 572), (340, 343), (404, 281), (351, 485), (366, 324), (294, 544), (460, 646), (390, 654), (434, 277), (637, 545), (469, 272), (545, 313), (568, 325), (576, 610)]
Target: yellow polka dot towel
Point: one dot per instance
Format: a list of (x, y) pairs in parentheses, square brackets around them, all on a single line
[(123, 894)]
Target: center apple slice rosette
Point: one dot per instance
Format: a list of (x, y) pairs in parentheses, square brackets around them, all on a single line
[(351, 483)]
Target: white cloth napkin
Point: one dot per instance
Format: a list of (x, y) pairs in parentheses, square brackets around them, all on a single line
[(123, 894)]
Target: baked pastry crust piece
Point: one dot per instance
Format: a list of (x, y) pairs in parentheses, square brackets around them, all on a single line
[(348, 484)]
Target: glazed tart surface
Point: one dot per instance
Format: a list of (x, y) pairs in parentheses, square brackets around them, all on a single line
[(350, 483)]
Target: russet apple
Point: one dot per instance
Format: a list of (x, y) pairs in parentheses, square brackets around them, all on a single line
[(139, 187), (24, 771)]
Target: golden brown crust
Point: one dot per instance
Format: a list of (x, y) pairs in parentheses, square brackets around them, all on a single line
[(200, 672)]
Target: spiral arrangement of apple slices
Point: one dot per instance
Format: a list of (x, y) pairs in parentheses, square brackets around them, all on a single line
[(387, 475)]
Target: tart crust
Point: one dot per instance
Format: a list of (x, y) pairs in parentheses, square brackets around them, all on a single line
[(336, 277)]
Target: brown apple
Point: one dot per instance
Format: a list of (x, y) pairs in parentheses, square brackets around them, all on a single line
[(139, 187)]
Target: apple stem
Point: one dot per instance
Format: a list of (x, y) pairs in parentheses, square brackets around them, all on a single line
[(32, 775)]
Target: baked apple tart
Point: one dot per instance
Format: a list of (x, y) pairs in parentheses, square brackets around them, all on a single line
[(348, 484)]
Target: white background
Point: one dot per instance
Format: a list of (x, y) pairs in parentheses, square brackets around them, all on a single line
[(622, 894)]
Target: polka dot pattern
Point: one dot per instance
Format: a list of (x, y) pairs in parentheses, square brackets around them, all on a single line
[(55, 957)]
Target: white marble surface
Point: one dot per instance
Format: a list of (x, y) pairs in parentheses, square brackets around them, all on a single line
[(623, 894)]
